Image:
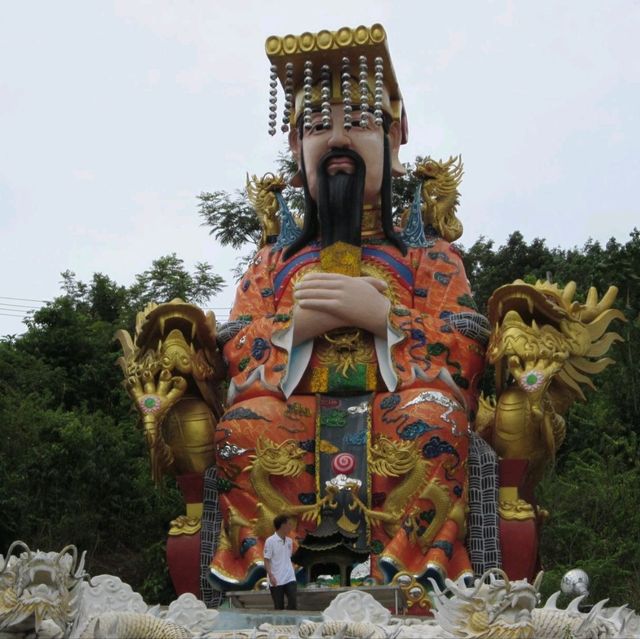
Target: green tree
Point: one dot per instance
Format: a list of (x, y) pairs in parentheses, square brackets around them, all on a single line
[(168, 279), (594, 522)]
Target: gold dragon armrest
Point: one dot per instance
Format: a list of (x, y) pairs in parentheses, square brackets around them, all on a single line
[(544, 345), (173, 371)]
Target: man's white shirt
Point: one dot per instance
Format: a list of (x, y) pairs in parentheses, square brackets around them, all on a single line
[(278, 551)]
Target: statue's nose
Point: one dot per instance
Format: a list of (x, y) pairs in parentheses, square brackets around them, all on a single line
[(339, 138)]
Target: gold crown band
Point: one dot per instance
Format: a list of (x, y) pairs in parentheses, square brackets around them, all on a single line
[(349, 66)]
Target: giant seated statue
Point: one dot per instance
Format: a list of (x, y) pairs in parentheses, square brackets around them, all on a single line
[(353, 356)]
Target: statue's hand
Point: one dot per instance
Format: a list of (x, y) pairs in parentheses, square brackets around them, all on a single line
[(155, 398), (345, 301)]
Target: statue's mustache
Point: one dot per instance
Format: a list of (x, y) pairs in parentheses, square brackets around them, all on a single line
[(338, 154)]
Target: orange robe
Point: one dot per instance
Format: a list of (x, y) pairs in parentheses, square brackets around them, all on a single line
[(419, 392)]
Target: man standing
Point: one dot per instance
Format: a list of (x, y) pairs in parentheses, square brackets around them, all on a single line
[(277, 562)]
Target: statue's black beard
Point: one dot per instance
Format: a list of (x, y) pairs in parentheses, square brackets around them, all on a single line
[(340, 199), (343, 205)]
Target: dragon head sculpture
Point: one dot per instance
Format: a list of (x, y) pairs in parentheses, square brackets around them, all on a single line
[(285, 459), (542, 336), (493, 607), (39, 586)]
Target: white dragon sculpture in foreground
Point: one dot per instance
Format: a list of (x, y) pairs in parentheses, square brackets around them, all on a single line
[(493, 608), (48, 595)]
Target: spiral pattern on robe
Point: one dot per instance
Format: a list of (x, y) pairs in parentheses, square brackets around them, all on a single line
[(343, 463)]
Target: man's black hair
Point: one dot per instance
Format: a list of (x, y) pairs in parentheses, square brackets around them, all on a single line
[(310, 226), (280, 520)]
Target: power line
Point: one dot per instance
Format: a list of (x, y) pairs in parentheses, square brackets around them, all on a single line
[(19, 306), (22, 299), (26, 299)]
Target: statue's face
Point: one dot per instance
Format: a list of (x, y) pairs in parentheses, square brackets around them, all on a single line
[(368, 142)]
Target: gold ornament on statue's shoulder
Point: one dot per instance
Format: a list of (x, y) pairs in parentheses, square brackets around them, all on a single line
[(262, 195), (440, 194)]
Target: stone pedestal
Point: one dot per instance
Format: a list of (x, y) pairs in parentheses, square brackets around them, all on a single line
[(183, 542), (518, 523)]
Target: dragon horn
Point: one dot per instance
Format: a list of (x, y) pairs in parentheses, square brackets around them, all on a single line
[(452, 587), (568, 292), (592, 296), (80, 571), (491, 574), (599, 325), (10, 552), (602, 346), (74, 553), (537, 582), (579, 377)]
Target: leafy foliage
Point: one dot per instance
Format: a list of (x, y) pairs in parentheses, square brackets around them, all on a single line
[(595, 520), (231, 218), (168, 279)]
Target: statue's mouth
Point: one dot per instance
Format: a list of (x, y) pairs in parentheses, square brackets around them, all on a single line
[(340, 161), (340, 164)]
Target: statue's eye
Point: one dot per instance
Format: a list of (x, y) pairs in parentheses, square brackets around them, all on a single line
[(317, 127)]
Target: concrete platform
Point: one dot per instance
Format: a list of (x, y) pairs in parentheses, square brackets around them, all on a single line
[(315, 599)]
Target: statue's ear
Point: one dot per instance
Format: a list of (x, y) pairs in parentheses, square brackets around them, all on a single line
[(395, 139), (295, 145)]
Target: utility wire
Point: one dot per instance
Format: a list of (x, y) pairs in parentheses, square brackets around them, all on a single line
[(5, 307), (25, 299), (22, 299), (19, 306)]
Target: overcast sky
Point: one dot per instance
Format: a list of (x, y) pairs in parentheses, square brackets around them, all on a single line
[(114, 116)]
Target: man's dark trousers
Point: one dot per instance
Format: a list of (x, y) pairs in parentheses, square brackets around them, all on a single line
[(278, 593)]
